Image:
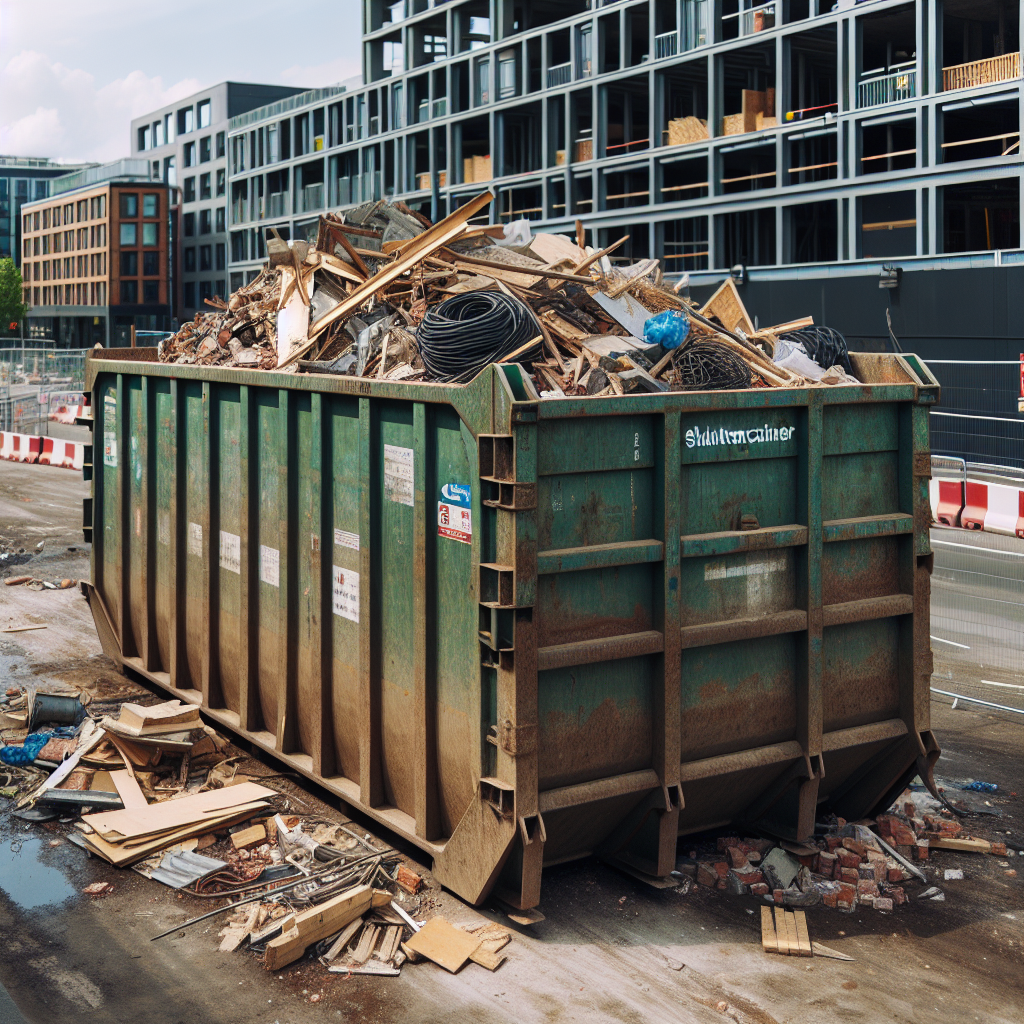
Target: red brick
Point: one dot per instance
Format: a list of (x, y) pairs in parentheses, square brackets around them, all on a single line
[(777, 895), (706, 875), (847, 896), (837, 870), (896, 875), (721, 868), (903, 835), (884, 823), (897, 895), (999, 849), (848, 858), (921, 851), (882, 903), (826, 862), (830, 899), (749, 877), (737, 857), (833, 842), (849, 875), (865, 887), (759, 889), (942, 827), (854, 847)]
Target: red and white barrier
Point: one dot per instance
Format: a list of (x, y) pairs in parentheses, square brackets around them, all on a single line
[(44, 450), (68, 413), (993, 508)]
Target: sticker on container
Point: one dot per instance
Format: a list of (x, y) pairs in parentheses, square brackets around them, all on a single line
[(230, 552), (109, 431), (344, 539), (398, 474), (138, 522), (346, 593), (163, 527), (270, 565), (720, 571), (195, 539), (454, 515)]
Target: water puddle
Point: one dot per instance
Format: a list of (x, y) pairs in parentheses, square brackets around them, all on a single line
[(26, 879)]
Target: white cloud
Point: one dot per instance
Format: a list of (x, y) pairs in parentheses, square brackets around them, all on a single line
[(53, 110)]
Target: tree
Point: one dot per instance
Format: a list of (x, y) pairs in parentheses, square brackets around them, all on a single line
[(12, 308)]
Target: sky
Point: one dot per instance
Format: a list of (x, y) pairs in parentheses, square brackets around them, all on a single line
[(73, 73)]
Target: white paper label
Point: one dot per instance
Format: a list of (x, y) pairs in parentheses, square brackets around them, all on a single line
[(163, 527), (455, 521), (109, 431), (346, 593), (344, 539), (398, 474), (195, 539), (270, 565), (719, 571), (230, 552)]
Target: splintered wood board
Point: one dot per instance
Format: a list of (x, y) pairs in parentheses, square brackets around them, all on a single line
[(803, 939), (129, 791), (443, 943), (769, 939)]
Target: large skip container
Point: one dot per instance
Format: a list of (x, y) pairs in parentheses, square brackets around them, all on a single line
[(518, 631)]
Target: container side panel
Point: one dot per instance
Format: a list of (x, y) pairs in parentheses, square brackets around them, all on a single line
[(343, 491), (164, 466), (595, 721), (738, 695), (196, 530), (745, 585), (595, 603), (594, 443), (859, 485), (717, 495), (270, 582), (859, 569), (584, 509), (394, 605), (307, 558), (736, 435), (456, 656), (138, 506), (228, 488), (861, 673), (865, 427), (113, 543)]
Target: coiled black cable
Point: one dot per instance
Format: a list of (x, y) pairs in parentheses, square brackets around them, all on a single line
[(465, 333), (825, 346)]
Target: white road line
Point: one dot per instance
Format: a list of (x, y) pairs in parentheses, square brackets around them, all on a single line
[(1009, 686), (953, 642), (980, 550)]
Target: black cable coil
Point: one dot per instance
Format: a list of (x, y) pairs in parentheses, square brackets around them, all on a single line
[(465, 333), (827, 347), (707, 365)]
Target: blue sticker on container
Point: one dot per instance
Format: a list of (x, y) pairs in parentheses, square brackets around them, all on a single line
[(454, 513), (456, 494)]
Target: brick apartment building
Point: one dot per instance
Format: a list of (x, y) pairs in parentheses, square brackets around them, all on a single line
[(95, 260)]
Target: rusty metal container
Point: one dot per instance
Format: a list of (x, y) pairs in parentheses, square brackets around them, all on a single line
[(519, 631)]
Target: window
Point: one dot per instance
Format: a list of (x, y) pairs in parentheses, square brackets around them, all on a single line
[(189, 192), (170, 171), (205, 290), (129, 264), (129, 204), (129, 234), (204, 150), (206, 257), (158, 134), (221, 256), (188, 294), (221, 219), (35, 221), (151, 264), (168, 128), (189, 224), (150, 291), (220, 144), (151, 234), (40, 189), (144, 138), (129, 293), (190, 261), (204, 222), (150, 205), (186, 121), (204, 113), (218, 287), (190, 154), (222, 180), (204, 186)]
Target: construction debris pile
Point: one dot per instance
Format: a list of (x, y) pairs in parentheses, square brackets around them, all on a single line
[(151, 786), (385, 294), (847, 865)]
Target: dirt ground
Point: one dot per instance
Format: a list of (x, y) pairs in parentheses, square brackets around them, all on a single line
[(610, 948)]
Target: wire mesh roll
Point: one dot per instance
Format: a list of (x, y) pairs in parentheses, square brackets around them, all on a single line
[(706, 365), (463, 334), (824, 345)]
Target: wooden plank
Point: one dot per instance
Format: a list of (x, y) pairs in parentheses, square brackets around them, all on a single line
[(782, 931), (963, 845), (443, 943), (600, 254), (128, 790), (769, 939), (343, 939), (315, 924), (803, 939)]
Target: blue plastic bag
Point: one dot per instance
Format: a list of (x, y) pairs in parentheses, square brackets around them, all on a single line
[(668, 329), (26, 753)]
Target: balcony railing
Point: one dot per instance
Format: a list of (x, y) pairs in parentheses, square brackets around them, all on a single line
[(1004, 68), (560, 74), (439, 108), (239, 212), (891, 88), (311, 198), (277, 204), (666, 45)]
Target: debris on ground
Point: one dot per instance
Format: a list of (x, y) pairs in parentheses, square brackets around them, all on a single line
[(382, 293)]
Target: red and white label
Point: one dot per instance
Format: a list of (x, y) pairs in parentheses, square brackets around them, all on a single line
[(455, 522)]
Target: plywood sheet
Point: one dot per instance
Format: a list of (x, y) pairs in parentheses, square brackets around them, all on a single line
[(444, 944)]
